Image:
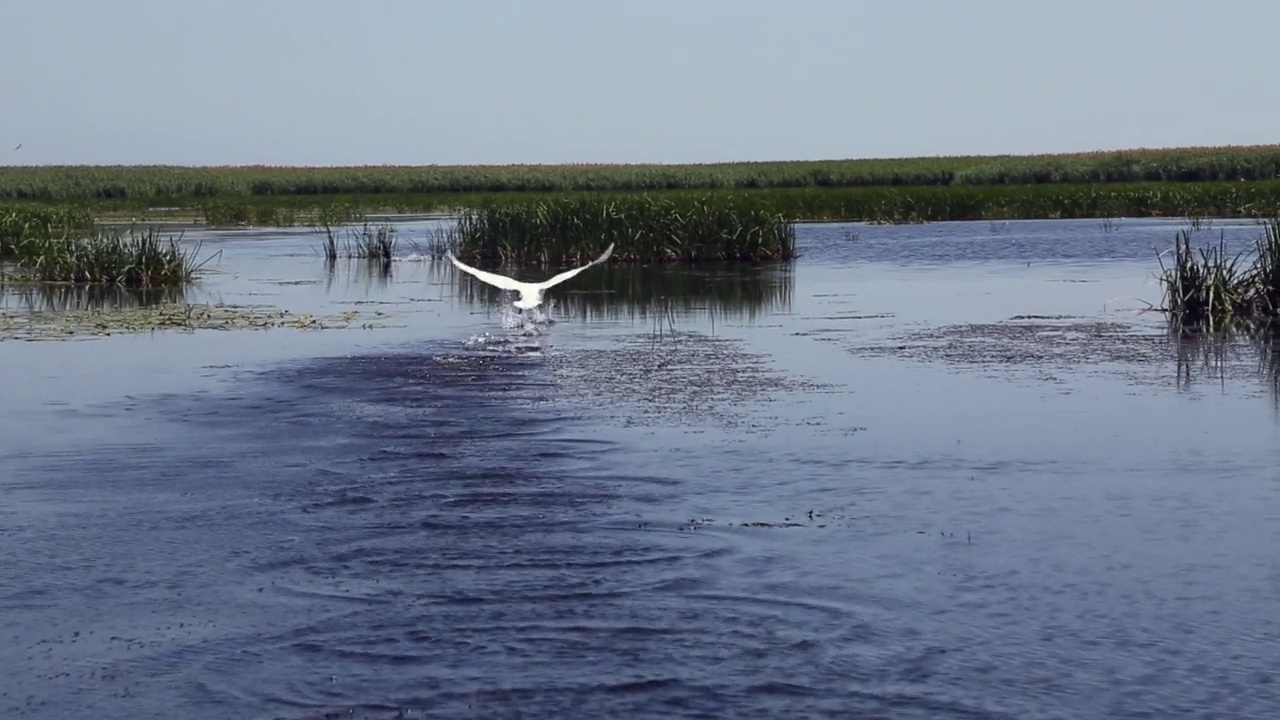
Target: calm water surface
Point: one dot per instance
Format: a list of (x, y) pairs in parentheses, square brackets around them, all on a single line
[(710, 494)]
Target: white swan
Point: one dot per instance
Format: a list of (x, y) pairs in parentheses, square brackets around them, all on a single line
[(530, 293)]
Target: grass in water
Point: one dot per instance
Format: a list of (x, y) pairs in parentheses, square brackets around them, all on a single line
[(646, 228), (1211, 289), (364, 243)]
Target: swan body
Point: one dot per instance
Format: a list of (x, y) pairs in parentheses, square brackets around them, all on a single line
[(530, 293)]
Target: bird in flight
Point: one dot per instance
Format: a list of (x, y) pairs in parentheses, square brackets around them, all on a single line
[(530, 293)]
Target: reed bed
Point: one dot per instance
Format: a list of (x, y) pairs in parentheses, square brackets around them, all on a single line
[(1210, 288), (57, 253), (129, 260), (23, 227), (1192, 164), (902, 204), (646, 228)]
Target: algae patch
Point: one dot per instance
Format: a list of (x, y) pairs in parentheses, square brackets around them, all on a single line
[(84, 323)]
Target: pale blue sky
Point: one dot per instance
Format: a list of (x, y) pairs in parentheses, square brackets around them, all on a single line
[(315, 82)]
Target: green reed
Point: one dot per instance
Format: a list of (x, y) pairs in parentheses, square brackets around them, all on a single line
[(24, 226), (365, 242), (878, 204), (646, 228), (151, 183), (1210, 288), (132, 260)]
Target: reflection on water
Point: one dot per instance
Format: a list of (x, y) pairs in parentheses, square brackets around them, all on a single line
[(615, 292), (1250, 351), (363, 272), (67, 297)]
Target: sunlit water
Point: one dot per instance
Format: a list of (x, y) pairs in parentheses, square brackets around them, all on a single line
[(692, 495)]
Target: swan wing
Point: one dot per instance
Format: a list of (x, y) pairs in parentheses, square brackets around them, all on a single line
[(570, 273), (498, 281)]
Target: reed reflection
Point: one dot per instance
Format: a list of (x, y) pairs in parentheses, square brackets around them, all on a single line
[(69, 297), (616, 292), (1239, 348)]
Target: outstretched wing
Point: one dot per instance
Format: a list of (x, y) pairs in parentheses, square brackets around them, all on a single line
[(499, 281), (570, 273)]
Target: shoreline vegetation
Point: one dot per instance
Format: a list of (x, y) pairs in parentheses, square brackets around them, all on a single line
[(1190, 164), (1231, 181)]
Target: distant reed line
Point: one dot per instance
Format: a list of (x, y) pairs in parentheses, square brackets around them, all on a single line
[(1192, 164), (905, 204)]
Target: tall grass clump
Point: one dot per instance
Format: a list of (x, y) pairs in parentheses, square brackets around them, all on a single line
[(135, 260), (364, 243), (646, 228), (1211, 288)]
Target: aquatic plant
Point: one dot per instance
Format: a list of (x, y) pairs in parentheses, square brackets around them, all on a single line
[(151, 183), (1210, 288), (646, 228), (364, 242), (138, 259)]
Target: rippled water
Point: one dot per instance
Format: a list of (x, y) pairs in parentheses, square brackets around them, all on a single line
[(852, 487)]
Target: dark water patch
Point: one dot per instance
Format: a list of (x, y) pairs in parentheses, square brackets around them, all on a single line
[(322, 516)]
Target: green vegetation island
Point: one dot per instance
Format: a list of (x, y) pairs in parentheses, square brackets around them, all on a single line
[(1229, 181)]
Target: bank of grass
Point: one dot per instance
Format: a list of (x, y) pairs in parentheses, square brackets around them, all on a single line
[(63, 246), (903, 204), (647, 228), (1209, 288), (24, 226), (1190, 164)]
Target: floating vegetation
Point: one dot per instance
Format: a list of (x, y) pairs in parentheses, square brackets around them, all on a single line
[(1044, 343), (1211, 288), (646, 228), (682, 378), (81, 323), (211, 184)]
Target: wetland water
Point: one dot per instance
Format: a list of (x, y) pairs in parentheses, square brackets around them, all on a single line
[(856, 486)]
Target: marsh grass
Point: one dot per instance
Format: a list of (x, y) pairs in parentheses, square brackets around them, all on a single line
[(366, 242), (211, 185), (646, 228), (1212, 289), (882, 204), (138, 259), (23, 228)]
